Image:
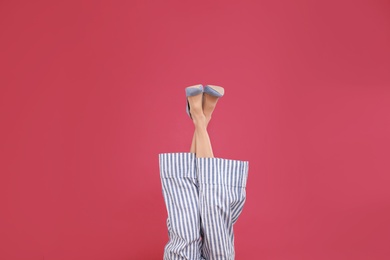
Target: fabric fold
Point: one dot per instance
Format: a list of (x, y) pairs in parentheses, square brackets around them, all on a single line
[(181, 196), (222, 195)]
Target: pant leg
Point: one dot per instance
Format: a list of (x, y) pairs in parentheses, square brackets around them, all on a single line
[(222, 194), (180, 191)]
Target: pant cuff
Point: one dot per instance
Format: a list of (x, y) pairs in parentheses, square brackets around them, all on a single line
[(177, 165), (233, 173)]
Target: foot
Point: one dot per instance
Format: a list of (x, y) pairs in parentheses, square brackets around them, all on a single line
[(210, 102), (196, 109)]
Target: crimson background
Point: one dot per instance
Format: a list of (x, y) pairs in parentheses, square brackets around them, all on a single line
[(92, 91)]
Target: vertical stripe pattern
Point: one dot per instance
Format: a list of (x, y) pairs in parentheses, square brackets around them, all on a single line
[(181, 196), (204, 198), (222, 195)]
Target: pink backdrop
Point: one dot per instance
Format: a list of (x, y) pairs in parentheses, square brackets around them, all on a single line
[(92, 91)]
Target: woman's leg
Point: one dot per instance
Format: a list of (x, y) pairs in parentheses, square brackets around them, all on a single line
[(202, 145), (208, 105), (222, 195), (204, 195), (222, 185), (193, 143), (180, 191), (181, 195)]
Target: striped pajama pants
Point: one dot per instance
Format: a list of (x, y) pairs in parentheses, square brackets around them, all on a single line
[(203, 197)]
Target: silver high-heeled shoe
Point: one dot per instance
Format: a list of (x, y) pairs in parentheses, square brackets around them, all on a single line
[(215, 91)]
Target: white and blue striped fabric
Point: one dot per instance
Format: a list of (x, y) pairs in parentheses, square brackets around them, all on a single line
[(204, 198)]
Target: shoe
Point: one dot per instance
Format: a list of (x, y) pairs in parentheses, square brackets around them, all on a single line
[(192, 91), (215, 91)]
